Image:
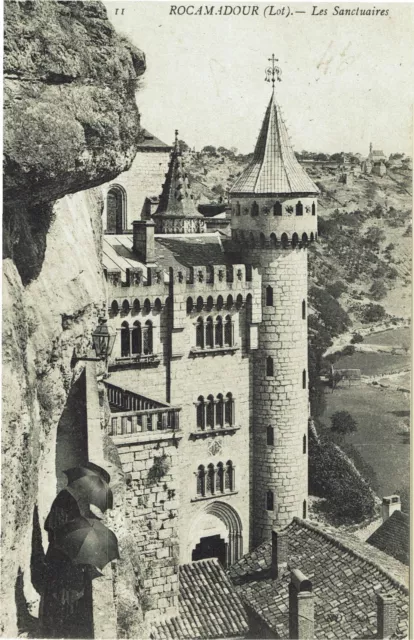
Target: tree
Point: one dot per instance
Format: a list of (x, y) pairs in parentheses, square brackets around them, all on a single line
[(378, 290), (209, 149), (336, 288), (357, 338), (183, 146), (342, 423), (372, 312)]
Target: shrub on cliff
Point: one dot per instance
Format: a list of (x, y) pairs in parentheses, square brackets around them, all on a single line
[(332, 476)]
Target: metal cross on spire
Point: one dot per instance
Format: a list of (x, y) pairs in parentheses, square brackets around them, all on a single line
[(273, 71)]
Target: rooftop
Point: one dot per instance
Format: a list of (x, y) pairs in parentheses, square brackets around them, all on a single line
[(393, 537), (208, 604), (346, 575), (149, 141), (274, 168)]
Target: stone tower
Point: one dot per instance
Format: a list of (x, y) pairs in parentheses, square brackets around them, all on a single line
[(273, 219)]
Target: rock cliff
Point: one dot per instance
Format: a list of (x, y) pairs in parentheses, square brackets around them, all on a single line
[(71, 124)]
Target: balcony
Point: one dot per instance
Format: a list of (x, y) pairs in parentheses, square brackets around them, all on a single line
[(135, 415)]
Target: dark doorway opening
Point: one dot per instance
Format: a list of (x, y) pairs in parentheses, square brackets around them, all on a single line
[(210, 547)]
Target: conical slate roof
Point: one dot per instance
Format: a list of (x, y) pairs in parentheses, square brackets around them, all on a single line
[(274, 168), (176, 199)]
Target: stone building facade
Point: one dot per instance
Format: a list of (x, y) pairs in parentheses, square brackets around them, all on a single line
[(208, 378)]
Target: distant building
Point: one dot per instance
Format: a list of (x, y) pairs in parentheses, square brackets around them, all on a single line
[(375, 162)]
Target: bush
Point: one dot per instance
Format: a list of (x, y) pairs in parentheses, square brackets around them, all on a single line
[(372, 312), (349, 498), (378, 290), (332, 315), (356, 338), (342, 423), (336, 288)]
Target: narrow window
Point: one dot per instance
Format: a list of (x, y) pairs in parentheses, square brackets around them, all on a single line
[(201, 422), (220, 410), (303, 309), (304, 509), (262, 240), (255, 209), (273, 241), (190, 305), (229, 476), (277, 209), (219, 331), (270, 436), (200, 333), (201, 481), (285, 240), (238, 208), (229, 410), (209, 333), (313, 209), (125, 340), (269, 366), (115, 211), (210, 412), (269, 296), (228, 332), (148, 338), (269, 501), (210, 489), (304, 379), (299, 209), (220, 478), (295, 240), (304, 444), (136, 341)]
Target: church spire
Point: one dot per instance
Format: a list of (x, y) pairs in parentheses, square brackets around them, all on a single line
[(177, 212), (274, 167)]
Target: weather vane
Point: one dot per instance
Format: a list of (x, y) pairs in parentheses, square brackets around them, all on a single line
[(273, 71)]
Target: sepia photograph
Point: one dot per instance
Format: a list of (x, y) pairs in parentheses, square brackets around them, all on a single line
[(206, 320)]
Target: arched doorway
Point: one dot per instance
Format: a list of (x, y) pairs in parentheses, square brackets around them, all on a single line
[(217, 533), (115, 210)]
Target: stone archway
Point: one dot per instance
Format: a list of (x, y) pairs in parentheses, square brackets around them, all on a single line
[(229, 525)]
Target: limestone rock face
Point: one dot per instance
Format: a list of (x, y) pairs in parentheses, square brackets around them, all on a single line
[(71, 124)]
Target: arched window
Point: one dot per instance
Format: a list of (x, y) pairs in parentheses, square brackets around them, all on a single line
[(147, 305), (295, 240), (299, 209), (312, 237), (220, 478), (304, 379), (238, 208), (115, 210), (114, 308), (229, 476), (219, 332), (136, 341), (201, 481), (273, 241), (229, 301), (200, 303), (255, 209), (270, 435), (229, 410), (304, 510), (220, 302), (313, 209), (148, 338), (251, 239), (269, 366), (285, 240), (269, 296), (220, 410), (209, 303), (125, 340), (209, 333), (136, 306), (239, 301), (201, 416), (125, 307), (210, 412), (303, 309), (277, 209), (228, 331), (305, 238), (190, 305), (262, 240), (304, 444), (269, 501), (200, 333), (210, 489)]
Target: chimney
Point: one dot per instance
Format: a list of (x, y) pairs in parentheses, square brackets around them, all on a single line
[(386, 615), (389, 505), (143, 240), (280, 550), (301, 607)]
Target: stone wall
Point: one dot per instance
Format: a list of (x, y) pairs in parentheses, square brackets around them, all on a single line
[(144, 179)]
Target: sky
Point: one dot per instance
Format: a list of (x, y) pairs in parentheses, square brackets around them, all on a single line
[(346, 80)]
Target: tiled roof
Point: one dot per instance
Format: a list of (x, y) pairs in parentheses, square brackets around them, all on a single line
[(176, 198), (148, 141), (274, 167), (393, 537), (346, 575), (189, 251), (208, 604)]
